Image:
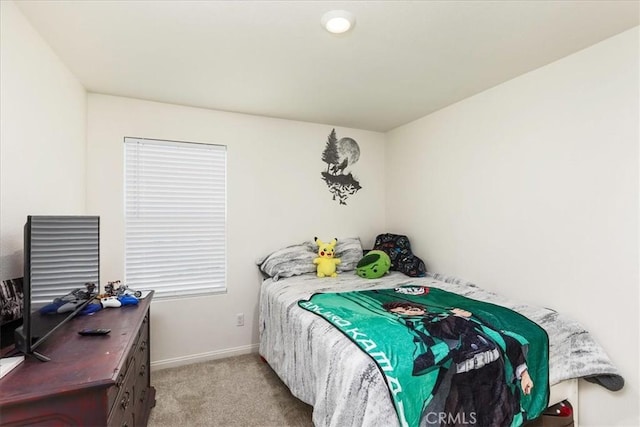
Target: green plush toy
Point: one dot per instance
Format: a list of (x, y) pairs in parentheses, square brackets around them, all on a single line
[(325, 261), (373, 265)]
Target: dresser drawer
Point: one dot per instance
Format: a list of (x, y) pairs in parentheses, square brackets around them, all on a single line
[(124, 405), (142, 372), (114, 393)]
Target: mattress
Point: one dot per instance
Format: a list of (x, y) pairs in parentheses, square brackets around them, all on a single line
[(326, 370)]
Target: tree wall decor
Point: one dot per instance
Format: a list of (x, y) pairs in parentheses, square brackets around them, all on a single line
[(339, 154)]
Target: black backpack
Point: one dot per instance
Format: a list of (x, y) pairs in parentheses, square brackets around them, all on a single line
[(403, 260)]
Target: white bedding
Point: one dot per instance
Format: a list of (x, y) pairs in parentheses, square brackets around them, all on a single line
[(325, 369)]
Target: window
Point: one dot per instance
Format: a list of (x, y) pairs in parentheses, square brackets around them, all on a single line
[(175, 217)]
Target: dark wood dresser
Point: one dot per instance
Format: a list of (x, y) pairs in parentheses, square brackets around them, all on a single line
[(90, 380)]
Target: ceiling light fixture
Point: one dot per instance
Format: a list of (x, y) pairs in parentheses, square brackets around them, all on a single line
[(338, 21)]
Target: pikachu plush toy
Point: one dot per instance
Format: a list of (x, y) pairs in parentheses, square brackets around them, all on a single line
[(326, 260)]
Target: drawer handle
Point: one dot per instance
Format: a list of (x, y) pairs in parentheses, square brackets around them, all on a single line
[(120, 380), (143, 345), (125, 400), (143, 395), (143, 368)]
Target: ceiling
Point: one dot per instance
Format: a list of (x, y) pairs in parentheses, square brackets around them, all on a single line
[(402, 60)]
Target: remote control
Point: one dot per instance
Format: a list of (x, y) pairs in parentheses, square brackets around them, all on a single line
[(94, 331)]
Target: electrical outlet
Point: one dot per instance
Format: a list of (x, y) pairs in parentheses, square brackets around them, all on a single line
[(240, 319)]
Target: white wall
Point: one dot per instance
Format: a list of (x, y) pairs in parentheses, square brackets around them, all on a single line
[(42, 150), (275, 198), (531, 189)]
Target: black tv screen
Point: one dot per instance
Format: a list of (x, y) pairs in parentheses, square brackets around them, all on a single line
[(61, 255)]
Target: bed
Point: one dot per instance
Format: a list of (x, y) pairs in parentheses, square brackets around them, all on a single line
[(344, 385)]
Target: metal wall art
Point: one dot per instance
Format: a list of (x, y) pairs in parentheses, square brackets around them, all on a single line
[(340, 154)]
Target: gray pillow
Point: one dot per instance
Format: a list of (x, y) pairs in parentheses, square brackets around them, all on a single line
[(349, 250), (290, 261), (298, 259)]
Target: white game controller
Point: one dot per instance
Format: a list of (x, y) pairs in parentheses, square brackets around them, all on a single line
[(110, 302)]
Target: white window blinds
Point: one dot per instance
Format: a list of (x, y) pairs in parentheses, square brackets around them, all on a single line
[(175, 217)]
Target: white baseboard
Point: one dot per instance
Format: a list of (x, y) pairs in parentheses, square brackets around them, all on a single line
[(203, 357)]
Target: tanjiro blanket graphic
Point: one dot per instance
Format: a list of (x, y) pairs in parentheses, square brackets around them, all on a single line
[(448, 360)]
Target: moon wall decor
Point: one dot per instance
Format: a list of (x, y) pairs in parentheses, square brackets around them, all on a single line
[(340, 154)]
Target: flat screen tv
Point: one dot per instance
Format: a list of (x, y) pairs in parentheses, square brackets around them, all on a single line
[(61, 255)]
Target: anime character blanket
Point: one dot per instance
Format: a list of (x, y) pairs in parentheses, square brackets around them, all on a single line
[(447, 359)]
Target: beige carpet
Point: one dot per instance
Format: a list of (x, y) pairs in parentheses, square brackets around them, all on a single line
[(237, 391)]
